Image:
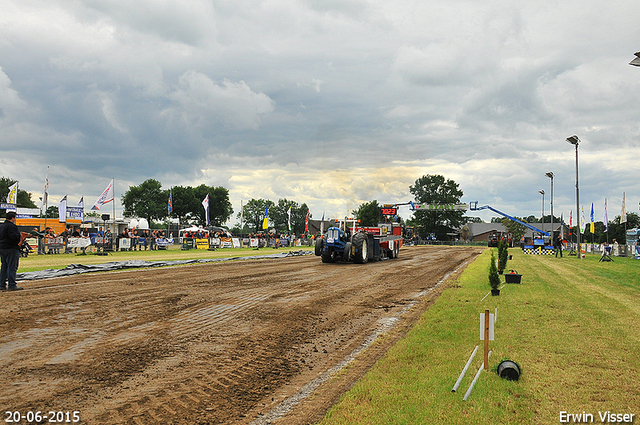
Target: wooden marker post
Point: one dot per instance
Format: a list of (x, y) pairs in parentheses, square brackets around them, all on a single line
[(486, 339), (486, 333)]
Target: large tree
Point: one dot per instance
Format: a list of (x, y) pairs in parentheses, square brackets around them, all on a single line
[(278, 215), (516, 229), (436, 190), (368, 213), (298, 218), (147, 200), (219, 205), (23, 198), (184, 203), (254, 213)]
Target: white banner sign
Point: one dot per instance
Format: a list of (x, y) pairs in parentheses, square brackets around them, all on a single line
[(78, 242)]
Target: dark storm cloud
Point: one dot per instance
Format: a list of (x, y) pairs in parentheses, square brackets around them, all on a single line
[(297, 98)]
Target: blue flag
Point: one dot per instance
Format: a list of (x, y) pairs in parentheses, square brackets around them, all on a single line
[(265, 221)]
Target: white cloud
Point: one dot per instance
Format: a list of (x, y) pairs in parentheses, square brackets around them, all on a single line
[(200, 100), (10, 101)]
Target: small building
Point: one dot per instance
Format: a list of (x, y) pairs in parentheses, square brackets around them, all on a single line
[(480, 232)]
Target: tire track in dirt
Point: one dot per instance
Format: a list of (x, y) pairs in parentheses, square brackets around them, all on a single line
[(213, 343)]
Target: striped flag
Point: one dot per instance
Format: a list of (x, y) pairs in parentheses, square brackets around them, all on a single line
[(12, 196), (106, 196), (592, 226), (205, 204)]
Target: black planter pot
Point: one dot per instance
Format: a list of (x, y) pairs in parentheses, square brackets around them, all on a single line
[(512, 278), (495, 292), (509, 370)]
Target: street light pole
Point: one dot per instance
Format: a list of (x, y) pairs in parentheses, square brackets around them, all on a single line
[(541, 192), (550, 175), (575, 141)]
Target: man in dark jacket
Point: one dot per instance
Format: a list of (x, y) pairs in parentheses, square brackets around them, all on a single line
[(9, 252)]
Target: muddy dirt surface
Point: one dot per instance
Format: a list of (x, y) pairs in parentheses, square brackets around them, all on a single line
[(240, 342)]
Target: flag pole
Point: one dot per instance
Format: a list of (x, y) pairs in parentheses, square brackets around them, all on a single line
[(114, 199), (46, 198)]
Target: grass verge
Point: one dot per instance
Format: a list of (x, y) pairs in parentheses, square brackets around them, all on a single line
[(36, 262), (572, 325)]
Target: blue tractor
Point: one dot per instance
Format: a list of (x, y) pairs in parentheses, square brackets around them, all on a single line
[(338, 245)]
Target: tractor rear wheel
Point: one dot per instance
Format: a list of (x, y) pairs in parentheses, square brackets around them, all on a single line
[(361, 245), (319, 244)]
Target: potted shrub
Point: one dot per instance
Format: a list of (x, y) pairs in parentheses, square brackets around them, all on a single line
[(503, 254), (494, 278)]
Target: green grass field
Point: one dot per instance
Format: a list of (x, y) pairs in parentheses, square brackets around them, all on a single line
[(36, 262), (572, 325)]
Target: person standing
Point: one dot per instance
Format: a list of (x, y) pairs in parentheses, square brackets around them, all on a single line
[(9, 252), (557, 244)]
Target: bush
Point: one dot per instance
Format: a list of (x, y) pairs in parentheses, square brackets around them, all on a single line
[(503, 254), (494, 278)]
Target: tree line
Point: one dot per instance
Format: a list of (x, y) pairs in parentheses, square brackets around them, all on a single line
[(149, 200)]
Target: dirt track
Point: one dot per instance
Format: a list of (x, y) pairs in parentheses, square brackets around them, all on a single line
[(215, 343)]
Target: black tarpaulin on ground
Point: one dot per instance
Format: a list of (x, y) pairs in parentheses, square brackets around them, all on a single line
[(73, 269)]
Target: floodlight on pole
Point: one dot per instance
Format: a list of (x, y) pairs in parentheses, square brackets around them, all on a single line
[(550, 175), (636, 60), (541, 192), (574, 140)]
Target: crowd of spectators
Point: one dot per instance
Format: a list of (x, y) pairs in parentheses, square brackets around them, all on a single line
[(140, 240)]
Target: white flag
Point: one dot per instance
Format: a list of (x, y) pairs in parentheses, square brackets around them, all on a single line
[(107, 196), (606, 216), (45, 195), (623, 215), (62, 210), (289, 217), (205, 204), (81, 205), (12, 196)]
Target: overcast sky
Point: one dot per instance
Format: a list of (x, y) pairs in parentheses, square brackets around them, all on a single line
[(328, 102)]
